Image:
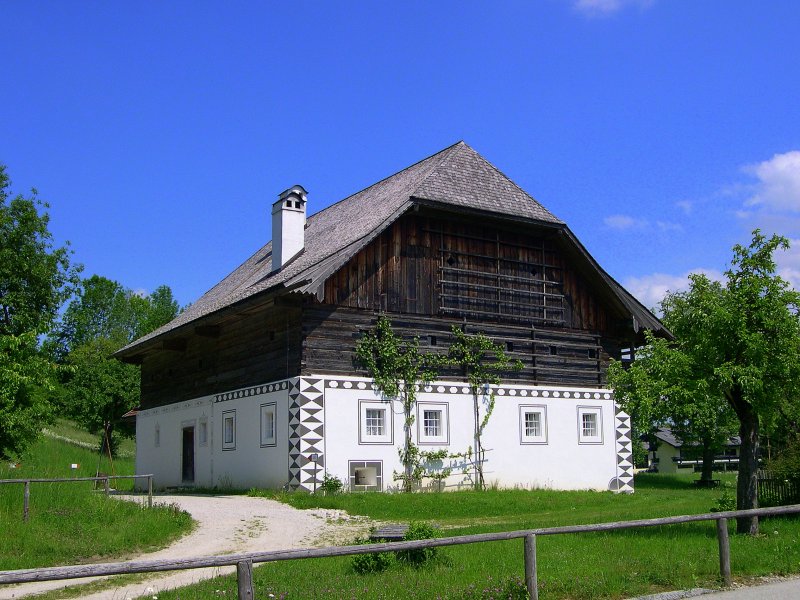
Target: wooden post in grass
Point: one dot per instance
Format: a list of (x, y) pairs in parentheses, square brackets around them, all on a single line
[(530, 567), (108, 488), (149, 491), (26, 500), (724, 551), (244, 576)]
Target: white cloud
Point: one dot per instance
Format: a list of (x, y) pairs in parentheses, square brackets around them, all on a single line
[(596, 8), (141, 292), (651, 289), (788, 262), (686, 206), (623, 222), (668, 227), (778, 185)]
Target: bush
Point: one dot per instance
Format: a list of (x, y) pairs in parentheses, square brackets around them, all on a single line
[(725, 502), (420, 557), (331, 485), (375, 562), (786, 464)]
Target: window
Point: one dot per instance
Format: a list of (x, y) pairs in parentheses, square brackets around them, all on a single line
[(433, 423), (375, 422), (532, 424), (157, 436), (590, 425), (229, 430), (269, 413), (202, 434)]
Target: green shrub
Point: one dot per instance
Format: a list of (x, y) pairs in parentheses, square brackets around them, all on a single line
[(331, 485), (417, 530), (725, 502), (374, 562)]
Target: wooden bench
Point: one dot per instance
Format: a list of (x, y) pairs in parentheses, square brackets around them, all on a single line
[(707, 483), (389, 533)]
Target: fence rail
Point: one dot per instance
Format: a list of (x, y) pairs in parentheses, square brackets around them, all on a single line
[(244, 562), (26, 483)]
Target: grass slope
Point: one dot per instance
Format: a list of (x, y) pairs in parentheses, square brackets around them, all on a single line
[(70, 522), (600, 565)]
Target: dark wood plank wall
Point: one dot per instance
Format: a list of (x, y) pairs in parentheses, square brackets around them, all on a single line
[(254, 348), (428, 265), (549, 355)]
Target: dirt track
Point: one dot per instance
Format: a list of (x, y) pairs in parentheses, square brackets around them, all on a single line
[(225, 524)]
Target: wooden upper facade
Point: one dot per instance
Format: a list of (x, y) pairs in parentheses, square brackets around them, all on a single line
[(516, 274)]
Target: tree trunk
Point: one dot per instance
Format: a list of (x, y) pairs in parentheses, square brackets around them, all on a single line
[(408, 463), (708, 460), (477, 439), (747, 485)]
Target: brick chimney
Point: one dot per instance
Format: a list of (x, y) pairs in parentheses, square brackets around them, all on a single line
[(288, 226)]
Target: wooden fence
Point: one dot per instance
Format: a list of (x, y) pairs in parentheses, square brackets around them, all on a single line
[(774, 491), (244, 562), (26, 483)]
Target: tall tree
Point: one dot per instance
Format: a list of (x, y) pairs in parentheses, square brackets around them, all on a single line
[(103, 317), (742, 338), (35, 279)]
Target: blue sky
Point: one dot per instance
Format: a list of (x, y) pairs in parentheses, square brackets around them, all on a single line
[(662, 132)]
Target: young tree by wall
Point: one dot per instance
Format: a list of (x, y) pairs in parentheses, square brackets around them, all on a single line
[(36, 277), (481, 361), (398, 368)]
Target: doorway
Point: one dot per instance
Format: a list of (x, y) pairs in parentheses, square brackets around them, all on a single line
[(187, 464)]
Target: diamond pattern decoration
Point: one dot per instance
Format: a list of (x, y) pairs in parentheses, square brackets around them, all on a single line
[(623, 482), (306, 432)]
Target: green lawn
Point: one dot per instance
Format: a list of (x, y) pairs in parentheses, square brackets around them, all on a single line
[(70, 522), (598, 565)]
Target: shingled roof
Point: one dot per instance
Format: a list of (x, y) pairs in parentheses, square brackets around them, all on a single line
[(456, 177)]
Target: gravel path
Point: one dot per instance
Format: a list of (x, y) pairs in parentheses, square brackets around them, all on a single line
[(225, 525)]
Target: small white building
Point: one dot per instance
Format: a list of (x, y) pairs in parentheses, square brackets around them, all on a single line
[(255, 384)]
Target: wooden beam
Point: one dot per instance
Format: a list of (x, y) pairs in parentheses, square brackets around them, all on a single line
[(210, 331), (175, 345)]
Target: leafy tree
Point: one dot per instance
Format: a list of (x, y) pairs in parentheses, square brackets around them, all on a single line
[(103, 317), (35, 279), (481, 361), (398, 368), (667, 388), (743, 339)]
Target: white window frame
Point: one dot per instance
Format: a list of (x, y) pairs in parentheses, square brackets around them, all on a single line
[(229, 416), (443, 439), (388, 424), (590, 439), (526, 409), (269, 410), (202, 431)]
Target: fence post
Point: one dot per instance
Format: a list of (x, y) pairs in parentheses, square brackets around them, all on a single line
[(149, 491), (26, 500), (107, 486), (724, 551), (244, 577), (530, 566)]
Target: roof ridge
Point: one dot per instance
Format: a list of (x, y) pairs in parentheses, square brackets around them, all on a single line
[(395, 174)]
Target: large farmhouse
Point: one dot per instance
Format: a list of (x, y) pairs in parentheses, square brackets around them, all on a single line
[(255, 383)]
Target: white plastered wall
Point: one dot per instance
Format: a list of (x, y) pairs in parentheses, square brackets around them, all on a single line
[(245, 463), (563, 462)]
